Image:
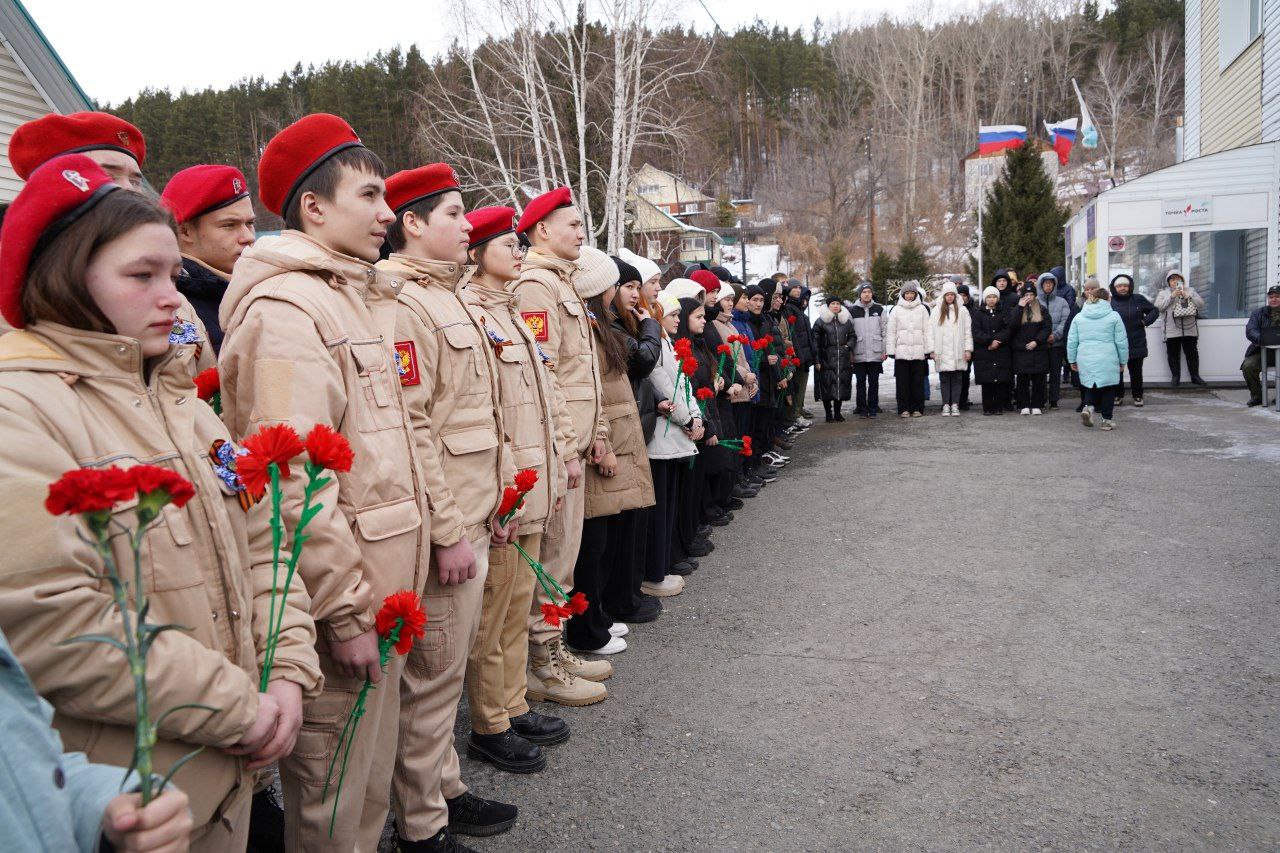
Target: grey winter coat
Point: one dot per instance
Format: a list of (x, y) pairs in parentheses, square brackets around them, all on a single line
[(834, 336), (1057, 307), (1178, 327), (869, 324)]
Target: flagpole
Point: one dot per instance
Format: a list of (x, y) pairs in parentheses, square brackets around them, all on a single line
[(982, 192)]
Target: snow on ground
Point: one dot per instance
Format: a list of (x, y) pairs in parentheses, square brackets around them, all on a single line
[(762, 260)]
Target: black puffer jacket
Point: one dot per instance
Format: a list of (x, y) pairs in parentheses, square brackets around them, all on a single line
[(203, 288), (1137, 312), (801, 331), (643, 352), (1024, 332), (991, 365), (835, 338)]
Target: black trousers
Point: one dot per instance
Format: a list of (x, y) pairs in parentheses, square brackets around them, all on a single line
[(866, 378), (690, 482), (1102, 399), (1188, 346), (949, 385), (1029, 390), (1135, 379), (993, 396), (964, 387), (762, 431), (662, 517), (590, 630), (625, 556), (1057, 355), (910, 376)]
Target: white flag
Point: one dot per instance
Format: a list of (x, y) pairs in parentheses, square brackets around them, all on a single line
[(1088, 131)]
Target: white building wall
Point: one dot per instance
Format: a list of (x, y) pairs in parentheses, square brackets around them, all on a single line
[(1270, 70), (1191, 79), (20, 101)]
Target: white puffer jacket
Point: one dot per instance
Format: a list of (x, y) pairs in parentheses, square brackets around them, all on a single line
[(949, 341), (907, 338), (672, 442)]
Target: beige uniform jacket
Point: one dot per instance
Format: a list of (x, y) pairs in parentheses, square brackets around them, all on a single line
[(449, 380), (632, 486), (71, 399), (308, 335), (561, 324), (534, 417)]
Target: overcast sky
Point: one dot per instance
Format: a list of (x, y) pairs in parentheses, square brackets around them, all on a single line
[(117, 49)]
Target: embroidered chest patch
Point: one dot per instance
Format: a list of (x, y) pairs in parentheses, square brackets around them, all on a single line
[(223, 455), (407, 363), (537, 323), (184, 332)]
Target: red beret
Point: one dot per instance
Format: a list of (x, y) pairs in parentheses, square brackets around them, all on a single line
[(58, 193), (198, 190), (490, 222), (414, 185), (45, 138), (297, 151), (707, 279), (542, 206)]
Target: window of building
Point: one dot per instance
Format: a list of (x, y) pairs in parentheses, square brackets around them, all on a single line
[(1239, 23), (648, 189), (653, 250), (691, 207), (695, 244), (1145, 257), (1228, 268)]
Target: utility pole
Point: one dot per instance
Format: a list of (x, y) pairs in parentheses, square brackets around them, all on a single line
[(742, 249), (871, 206)]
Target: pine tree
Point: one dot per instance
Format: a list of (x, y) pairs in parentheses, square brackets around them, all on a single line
[(884, 269), (837, 279), (911, 263), (726, 213), (1023, 221)]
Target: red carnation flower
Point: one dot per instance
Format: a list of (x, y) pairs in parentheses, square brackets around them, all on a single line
[(510, 499), (683, 347), (758, 344), (577, 604), (407, 606), (208, 383), (792, 319), (150, 479), (746, 445), (553, 613), (724, 349), (526, 480), (704, 393), (278, 444), (689, 366), (89, 490), (328, 448), (790, 351)]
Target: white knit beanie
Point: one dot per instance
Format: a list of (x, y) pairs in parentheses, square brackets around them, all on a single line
[(648, 269), (726, 291), (949, 287), (990, 291), (684, 288), (596, 273), (670, 304)]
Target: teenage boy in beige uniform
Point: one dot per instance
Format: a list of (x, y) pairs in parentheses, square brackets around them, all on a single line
[(561, 324), (309, 329), (450, 387)]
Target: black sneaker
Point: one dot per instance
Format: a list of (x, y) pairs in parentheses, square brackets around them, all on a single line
[(1253, 401), (443, 841), (735, 503), (767, 474), (507, 751), (698, 549), (266, 824), (722, 520), (541, 729), (684, 568), (703, 530), (742, 490), (649, 609), (471, 815)]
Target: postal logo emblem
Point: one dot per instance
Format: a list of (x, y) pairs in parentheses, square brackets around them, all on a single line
[(76, 180), (407, 363), (537, 323)]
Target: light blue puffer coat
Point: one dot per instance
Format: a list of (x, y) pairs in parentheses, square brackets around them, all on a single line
[(1098, 344)]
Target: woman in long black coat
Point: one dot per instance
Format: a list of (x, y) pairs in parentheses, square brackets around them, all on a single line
[(992, 362), (1137, 312), (1031, 326), (834, 336)]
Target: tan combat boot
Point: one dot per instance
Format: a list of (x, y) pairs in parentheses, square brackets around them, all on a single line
[(549, 682), (589, 670)]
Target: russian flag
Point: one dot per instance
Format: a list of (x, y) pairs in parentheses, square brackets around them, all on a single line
[(997, 137), (1063, 134)]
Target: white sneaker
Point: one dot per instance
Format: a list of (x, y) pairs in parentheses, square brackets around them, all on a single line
[(615, 645), (619, 629), (1025, 412), (1086, 416), (669, 586), (1036, 412), (955, 410)]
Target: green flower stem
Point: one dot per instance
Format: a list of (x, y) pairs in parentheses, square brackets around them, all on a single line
[(348, 736), (720, 367), (277, 535), (674, 391), (541, 575), (275, 624)]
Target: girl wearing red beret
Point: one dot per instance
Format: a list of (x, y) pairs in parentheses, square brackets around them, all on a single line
[(91, 379)]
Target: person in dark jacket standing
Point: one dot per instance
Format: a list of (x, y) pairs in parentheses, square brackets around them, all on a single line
[(1137, 312), (992, 362), (1058, 312), (869, 325), (215, 225), (835, 338), (796, 315), (1030, 348), (1266, 317), (1006, 282), (966, 301)]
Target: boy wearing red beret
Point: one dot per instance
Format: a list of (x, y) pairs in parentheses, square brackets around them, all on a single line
[(309, 329), (561, 323), (449, 382), (216, 221)]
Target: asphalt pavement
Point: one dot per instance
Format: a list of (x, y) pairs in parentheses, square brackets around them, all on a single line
[(950, 634)]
